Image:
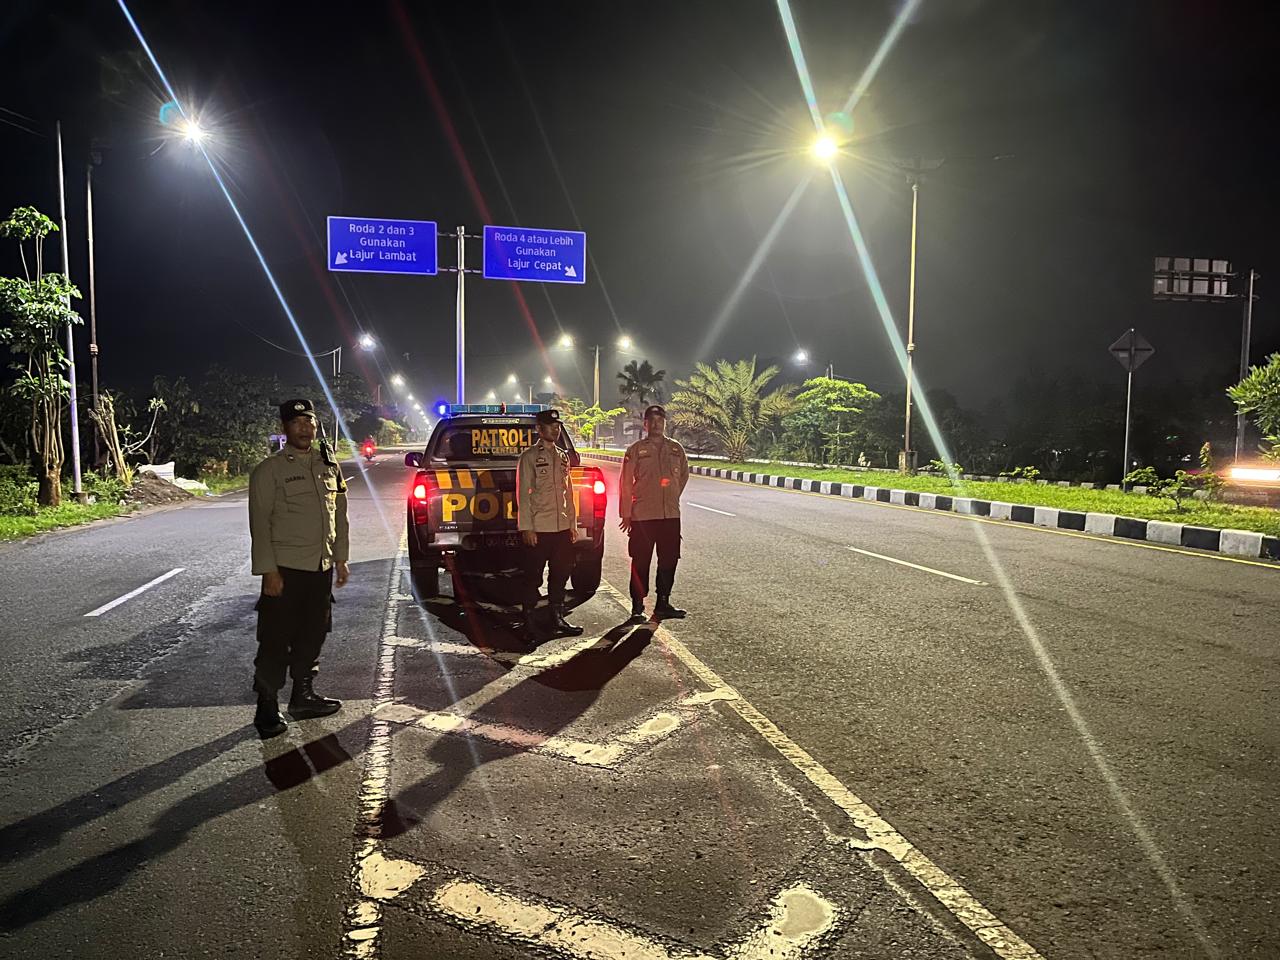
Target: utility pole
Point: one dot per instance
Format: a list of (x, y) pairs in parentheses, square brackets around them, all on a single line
[(71, 343), (93, 313), (597, 378)]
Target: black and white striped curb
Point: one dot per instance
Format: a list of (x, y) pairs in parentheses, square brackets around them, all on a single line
[(1236, 543)]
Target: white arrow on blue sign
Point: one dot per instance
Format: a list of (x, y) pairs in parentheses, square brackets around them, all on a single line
[(543, 256), (365, 245)]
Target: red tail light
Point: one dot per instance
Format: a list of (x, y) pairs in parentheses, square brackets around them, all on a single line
[(594, 479), (423, 485)]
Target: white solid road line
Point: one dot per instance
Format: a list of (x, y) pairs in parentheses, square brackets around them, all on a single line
[(723, 513), (916, 566), (133, 593)]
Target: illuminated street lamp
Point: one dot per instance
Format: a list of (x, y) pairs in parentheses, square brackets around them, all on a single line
[(491, 395), (397, 381), (409, 397), (566, 342), (367, 342), (801, 358)]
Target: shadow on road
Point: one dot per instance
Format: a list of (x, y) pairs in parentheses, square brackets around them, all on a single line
[(582, 679)]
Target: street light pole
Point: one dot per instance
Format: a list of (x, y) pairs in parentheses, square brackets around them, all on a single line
[(337, 370), (93, 313), (597, 379), (908, 456), (1246, 336), (71, 343)]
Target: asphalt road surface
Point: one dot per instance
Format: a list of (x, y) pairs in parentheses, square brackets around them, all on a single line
[(882, 732)]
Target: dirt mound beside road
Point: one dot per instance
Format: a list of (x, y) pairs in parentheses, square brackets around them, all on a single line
[(148, 490)]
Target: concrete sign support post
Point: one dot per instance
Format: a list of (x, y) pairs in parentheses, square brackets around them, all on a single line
[(1131, 351)]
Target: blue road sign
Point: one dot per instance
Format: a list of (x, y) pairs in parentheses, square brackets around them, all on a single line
[(544, 256), (363, 245)]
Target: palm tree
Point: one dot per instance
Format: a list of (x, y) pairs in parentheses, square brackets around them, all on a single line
[(641, 384), (729, 402)]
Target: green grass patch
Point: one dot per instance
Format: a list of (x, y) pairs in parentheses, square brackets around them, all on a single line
[(68, 514), (225, 484), (1195, 512)]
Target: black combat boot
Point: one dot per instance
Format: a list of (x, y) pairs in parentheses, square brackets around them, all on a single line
[(665, 611), (268, 720), (637, 610), (562, 626), (529, 626), (305, 703)]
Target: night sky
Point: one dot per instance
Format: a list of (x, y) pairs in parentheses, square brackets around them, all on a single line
[(672, 133)]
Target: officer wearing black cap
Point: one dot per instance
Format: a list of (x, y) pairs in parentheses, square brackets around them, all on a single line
[(654, 473), (547, 517), (298, 524)]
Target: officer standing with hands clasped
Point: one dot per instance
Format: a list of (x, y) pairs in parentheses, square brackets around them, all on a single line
[(298, 524), (654, 474), (547, 517)]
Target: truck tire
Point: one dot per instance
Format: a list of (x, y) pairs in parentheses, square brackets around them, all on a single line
[(586, 573), (424, 570)]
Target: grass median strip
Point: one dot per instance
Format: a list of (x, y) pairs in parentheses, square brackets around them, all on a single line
[(1077, 499), (69, 514)]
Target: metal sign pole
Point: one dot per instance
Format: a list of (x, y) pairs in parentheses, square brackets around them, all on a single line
[(1128, 407), (1246, 336), (462, 314)]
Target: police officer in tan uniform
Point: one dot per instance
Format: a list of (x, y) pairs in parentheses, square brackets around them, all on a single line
[(298, 524), (547, 517), (655, 471)]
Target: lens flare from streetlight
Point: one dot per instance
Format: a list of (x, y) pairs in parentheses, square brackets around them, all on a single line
[(625, 343), (397, 381), (802, 356), (825, 148), (367, 342), (566, 341), (192, 131)]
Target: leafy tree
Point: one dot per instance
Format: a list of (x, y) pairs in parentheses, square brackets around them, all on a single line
[(178, 409), (1258, 395), (229, 432), (729, 402), (585, 421), (390, 433), (36, 309), (355, 403), (825, 422), (641, 385)]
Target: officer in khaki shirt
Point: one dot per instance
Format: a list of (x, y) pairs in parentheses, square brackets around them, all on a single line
[(547, 516), (654, 473), (298, 524)]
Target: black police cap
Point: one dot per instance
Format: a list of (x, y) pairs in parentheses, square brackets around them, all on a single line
[(547, 416), (655, 410), (297, 408)]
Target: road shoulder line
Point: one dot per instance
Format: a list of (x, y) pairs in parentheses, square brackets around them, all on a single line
[(945, 889)]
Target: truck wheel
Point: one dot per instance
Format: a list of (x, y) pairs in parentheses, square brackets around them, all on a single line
[(586, 573), (424, 570)]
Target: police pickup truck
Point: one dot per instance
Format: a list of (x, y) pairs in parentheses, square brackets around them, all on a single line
[(462, 502)]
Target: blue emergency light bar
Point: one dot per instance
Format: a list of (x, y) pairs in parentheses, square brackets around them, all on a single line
[(463, 409)]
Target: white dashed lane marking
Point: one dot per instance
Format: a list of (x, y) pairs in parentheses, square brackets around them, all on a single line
[(133, 593), (723, 513), (916, 566)]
